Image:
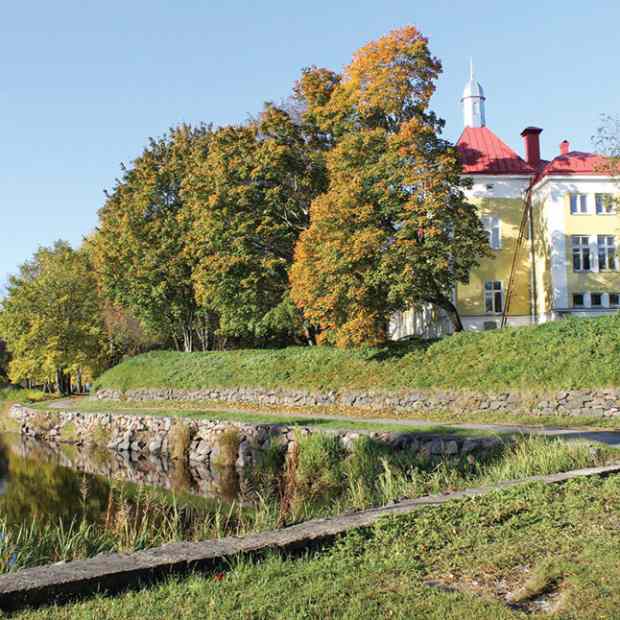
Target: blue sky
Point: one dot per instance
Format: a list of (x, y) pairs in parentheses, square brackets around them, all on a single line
[(83, 83)]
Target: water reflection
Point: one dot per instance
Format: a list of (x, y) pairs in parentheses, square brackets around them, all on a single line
[(52, 483)]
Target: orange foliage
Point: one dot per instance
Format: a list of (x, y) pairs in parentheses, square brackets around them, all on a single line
[(393, 226)]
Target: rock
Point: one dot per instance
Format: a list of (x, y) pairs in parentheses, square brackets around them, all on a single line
[(469, 445), (124, 444), (450, 448), (436, 447), (154, 446)]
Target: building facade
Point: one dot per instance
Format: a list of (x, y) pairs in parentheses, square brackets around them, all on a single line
[(567, 261)]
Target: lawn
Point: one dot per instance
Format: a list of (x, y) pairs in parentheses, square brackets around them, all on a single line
[(11, 395), (201, 411), (444, 421), (567, 354), (513, 554)]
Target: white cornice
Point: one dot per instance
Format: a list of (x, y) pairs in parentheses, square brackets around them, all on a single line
[(575, 178), (497, 177)]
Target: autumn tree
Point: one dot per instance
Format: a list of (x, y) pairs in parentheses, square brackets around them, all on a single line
[(250, 201), (393, 228), (140, 248), (51, 319)]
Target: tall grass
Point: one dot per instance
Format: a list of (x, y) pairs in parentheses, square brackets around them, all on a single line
[(317, 479)]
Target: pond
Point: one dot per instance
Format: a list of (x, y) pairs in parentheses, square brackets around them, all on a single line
[(59, 503), (61, 483)]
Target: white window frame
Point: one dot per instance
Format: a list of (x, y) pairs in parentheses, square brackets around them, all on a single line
[(581, 248), (493, 227), (493, 289), (606, 250), (605, 202), (580, 202)]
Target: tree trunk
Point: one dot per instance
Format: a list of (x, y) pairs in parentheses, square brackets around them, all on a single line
[(188, 339), (453, 314), (63, 382), (80, 386), (206, 332), (310, 335)]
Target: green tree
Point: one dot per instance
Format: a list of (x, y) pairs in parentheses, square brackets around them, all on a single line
[(250, 199), (51, 319), (4, 362), (141, 248), (393, 229)]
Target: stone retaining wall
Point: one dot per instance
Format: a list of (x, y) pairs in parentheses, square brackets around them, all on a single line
[(212, 442), (595, 403)]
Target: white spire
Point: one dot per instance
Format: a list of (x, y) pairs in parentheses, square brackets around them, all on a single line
[(473, 101)]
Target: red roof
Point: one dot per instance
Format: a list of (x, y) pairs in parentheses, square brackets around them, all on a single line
[(482, 152), (576, 162)]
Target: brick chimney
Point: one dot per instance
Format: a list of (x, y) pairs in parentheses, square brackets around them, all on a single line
[(531, 141), (564, 147)]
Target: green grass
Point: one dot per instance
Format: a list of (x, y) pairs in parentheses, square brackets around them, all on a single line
[(445, 420), (320, 481), (200, 411), (19, 395), (572, 353), (10, 396), (486, 558)]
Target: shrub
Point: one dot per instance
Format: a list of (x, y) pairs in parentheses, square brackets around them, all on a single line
[(319, 473)]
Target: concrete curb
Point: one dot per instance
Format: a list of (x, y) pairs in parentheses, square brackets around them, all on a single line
[(115, 572)]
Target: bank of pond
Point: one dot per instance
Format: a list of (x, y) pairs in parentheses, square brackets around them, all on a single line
[(61, 502)]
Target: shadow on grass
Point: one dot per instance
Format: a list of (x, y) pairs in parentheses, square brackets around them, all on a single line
[(398, 350)]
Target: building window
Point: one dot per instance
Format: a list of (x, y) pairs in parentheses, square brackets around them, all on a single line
[(604, 204), (493, 297), (614, 300), (491, 226), (606, 253), (578, 204), (596, 300), (581, 253), (578, 300)]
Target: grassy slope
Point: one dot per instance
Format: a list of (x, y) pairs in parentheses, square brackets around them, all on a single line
[(561, 540), (573, 353)]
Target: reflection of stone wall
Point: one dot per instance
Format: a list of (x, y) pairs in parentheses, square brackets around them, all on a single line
[(597, 403), (211, 442), (222, 483)]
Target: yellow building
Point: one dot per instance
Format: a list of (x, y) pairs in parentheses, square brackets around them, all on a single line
[(567, 261)]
